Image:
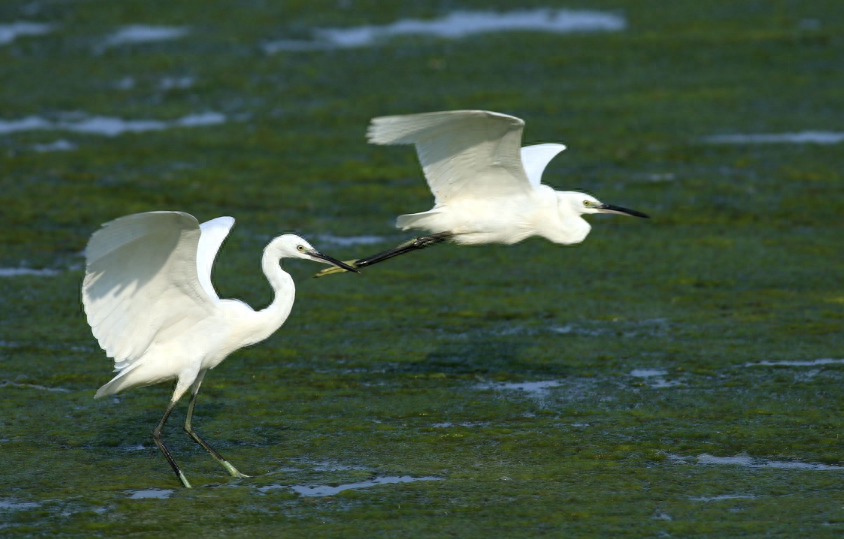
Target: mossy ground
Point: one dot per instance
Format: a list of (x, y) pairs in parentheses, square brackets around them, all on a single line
[(741, 263)]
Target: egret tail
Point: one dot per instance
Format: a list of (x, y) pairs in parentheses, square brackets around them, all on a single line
[(413, 245)]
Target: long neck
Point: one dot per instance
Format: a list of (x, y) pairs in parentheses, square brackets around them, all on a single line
[(285, 291), (564, 226)]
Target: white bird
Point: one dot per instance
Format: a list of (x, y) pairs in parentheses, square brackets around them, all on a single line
[(150, 303), (486, 188)]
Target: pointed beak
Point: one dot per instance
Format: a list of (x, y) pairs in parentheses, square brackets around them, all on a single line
[(609, 208), (333, 261)]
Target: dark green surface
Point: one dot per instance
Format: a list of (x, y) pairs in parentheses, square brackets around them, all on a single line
[(741, 263)]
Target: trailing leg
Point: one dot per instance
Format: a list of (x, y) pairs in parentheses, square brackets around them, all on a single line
[(413, 245), (195, 437)]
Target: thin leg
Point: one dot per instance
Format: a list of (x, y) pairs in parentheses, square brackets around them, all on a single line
[(188, 429), (156, 437), (413, 245)]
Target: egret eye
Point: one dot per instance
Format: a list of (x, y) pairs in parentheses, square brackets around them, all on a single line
[(301, 248), (586, 203)]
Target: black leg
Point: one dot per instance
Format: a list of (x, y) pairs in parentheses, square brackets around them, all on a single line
[(413, 245), (195, 437), (156, 437)]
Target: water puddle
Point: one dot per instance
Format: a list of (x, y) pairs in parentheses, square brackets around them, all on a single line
[(10, 32), (539, 388), (140, 33), (60, 145), (750, 462), (108, 126), (151, 494), (803, 137), (456, 25), (654, 377), (17, 506), (325, 490), (345, 241), (6, 383), (810, 363), (17, 272), (647, 373)]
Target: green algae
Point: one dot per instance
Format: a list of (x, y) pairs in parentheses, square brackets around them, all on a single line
[(394, 372)]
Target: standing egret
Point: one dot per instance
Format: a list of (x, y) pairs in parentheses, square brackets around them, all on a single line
[(486, 188), (150, 303)]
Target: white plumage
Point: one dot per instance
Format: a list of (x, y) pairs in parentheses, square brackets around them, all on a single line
[(149, 300), (487, 189)]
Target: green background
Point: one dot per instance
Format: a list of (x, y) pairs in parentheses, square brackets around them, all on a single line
[(398, 372)]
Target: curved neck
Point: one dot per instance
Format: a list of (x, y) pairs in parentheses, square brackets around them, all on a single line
[(285, 291), (560, 223)]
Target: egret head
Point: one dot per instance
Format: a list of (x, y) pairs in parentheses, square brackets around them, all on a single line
[(569, 202), (292, 246)]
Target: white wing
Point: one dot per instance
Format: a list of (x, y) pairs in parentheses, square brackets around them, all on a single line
[(141, 278), (536, 158), (464, 153), (213, 234)]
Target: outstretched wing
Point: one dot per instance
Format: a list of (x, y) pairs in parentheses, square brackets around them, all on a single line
[(213, 234), (141, 278), (536, 158), (464, 153)]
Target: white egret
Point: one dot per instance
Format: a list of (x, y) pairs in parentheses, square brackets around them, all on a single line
[(150, 303), (486, 188)]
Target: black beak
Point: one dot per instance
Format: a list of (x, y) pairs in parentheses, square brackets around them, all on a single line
[(333, 261), (609, 208)]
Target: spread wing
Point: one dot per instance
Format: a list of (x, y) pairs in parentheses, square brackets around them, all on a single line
[(464, 153), (213, 234), (536, 158), (141, 278)]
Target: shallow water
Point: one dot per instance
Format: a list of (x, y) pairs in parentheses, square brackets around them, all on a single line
[(16, 272), (151, 494), (456, 25), (751, 462), (141, 33), (802, 137), (325, 490), (108, 126), (60, 145), (5, 383), (796, 363), (11, 31), (539, 388)]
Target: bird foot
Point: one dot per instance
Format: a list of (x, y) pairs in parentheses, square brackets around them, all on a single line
[(335, 269), (233, 471), (184, 480)]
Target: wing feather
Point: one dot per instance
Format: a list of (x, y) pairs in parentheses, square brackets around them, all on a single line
[(141, 278), (213, 234), (464, 153), (535, 158)]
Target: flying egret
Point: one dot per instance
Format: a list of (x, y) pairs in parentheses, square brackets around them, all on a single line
[(150, 303), (486, 188)]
